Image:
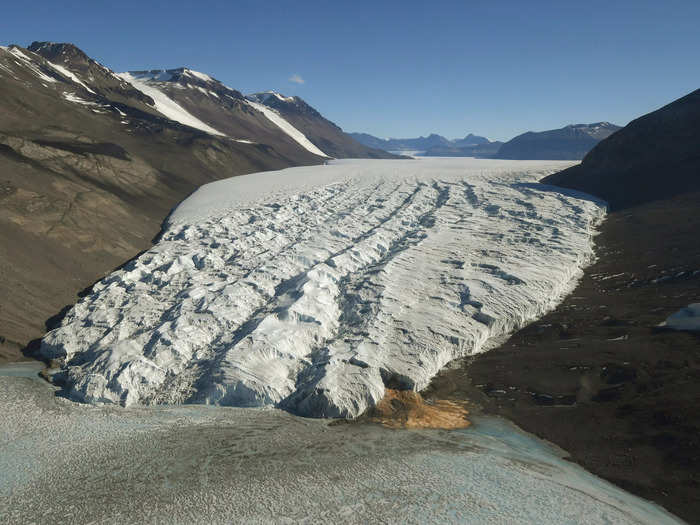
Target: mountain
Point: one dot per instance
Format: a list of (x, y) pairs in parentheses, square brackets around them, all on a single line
[(470, 140), (483, 150), (254, 118), (321, 131), (654, 157), (397, 145), (92, 161), (568, 143), (435, 145)]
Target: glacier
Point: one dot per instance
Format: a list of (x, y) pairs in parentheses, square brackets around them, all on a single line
[(310, 289)]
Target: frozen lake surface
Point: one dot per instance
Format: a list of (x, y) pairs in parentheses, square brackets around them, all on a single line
[(66, 462), (312, 288)]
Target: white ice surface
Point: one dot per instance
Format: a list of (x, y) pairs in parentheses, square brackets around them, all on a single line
[(167, 106), (285, 126), (308, 288), (687, 318), (67, 73)]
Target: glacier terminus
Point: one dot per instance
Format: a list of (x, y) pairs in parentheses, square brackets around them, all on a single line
[(312, 289)]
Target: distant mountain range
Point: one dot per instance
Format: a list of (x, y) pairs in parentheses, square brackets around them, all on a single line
[(92, 161), (656, 156), (568, 143), (432, 145)]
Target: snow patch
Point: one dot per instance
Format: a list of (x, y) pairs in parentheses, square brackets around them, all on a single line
[(67, 73), (687, 318), (71, 97), (285, 126), (168, 107), (309, 288), (156, 75), (28, 62), (266, 95), (18, 53), (283, 98), (204, 91), (197, 74)]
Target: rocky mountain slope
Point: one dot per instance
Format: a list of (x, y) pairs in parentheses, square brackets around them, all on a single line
[(319, 130), (655, 156), (433, 145), (91, 162), (222, 110), (568, 143)]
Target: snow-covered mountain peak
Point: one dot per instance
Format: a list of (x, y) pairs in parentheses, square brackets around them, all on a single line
[(178, 74), (181, 95), (186, 78), (197, 74), (166, 106), (597, 130), (67, 68), (278, 101), (53, 50), (155, 75), (594, 125), (265, 96)]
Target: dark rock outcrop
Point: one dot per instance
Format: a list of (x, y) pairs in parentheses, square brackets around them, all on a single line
[(654, 157)]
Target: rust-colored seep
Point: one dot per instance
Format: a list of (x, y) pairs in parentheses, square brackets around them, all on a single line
[(408, 409)]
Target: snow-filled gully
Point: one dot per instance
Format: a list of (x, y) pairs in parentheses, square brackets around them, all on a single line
[(311, 288)]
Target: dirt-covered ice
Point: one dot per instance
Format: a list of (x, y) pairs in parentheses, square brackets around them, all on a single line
[(312, 288), (65, 462)]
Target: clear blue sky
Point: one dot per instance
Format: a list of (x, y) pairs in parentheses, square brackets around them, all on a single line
[(403, 69)]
